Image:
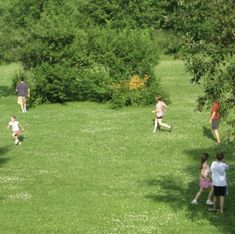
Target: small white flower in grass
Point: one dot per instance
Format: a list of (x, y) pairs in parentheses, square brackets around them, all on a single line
[(24, 196), (9, 178)]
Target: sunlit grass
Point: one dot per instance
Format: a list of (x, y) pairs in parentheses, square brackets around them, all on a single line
[(85, 168)]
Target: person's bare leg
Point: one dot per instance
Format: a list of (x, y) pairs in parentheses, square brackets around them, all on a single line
[(210, 195), (155, 125), (214, 201), (198, 194), (216, 133), (221, 204), (15, 137), (163, 124), (24, 107)]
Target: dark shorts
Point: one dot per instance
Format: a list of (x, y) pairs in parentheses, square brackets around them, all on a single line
[(160, 117), (220, 191), (215, 124)]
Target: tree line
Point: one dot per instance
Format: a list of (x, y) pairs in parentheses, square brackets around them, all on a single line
[(97, 49)]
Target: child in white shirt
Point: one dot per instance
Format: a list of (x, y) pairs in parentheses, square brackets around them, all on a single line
[(218, 170), (15, 127)]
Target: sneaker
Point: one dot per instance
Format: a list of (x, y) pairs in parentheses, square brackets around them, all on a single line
[(194, 202), (213, 209), (209, 202)]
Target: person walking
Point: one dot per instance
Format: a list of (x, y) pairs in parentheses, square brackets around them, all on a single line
[(23, 92), (159, 112), (218, 170), (204, 181), (214, 120)]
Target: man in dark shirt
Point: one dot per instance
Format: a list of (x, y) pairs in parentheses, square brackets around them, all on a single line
[(23, 92)]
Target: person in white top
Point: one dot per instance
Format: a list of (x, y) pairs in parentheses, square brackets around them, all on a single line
[(219, 180), (160, 110), (15, 127)]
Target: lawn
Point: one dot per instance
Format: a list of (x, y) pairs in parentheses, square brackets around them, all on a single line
[(86, 168)]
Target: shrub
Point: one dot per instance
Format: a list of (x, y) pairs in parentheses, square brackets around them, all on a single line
[(137, 91), (64, 72), (72, 60)]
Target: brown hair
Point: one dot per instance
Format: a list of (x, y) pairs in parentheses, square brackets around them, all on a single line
[(158, 98), (204, 157), (219, 156)]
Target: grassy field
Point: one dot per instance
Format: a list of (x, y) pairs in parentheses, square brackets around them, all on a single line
[(85, 168)]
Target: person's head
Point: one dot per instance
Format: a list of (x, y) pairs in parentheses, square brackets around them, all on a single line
[(219, 156), (158, 98), (217, 102), (13, 118), (22, 79), (204, 158)]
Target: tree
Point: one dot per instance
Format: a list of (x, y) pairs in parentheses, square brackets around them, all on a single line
[(68, 56), (207, 32)]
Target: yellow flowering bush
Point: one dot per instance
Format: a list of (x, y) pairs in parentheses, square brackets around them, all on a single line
[(135, 91), (135, 83)]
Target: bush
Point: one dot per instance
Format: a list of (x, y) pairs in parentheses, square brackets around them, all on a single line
[(69, 60), (94, 84), (137, 91), (69, 73)]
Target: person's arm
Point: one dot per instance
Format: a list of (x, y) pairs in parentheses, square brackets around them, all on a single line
[(204, 172), (17, 89), (212, 167), (226, 166), (212, 116), (155, 111), (28, 93), (164, 104), (8, 126)]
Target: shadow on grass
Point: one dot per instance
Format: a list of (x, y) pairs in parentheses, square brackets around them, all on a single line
[(172, 190), (3, 151), (227, 149), (207, 133), (6, 91), (21, 138), (174, 193)]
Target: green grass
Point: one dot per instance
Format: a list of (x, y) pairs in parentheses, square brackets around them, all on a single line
[(85, 168)]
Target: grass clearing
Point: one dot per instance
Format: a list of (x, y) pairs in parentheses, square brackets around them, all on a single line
[(85, 168)]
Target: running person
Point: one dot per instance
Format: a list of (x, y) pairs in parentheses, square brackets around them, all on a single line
[(15, 127), (160, 110)]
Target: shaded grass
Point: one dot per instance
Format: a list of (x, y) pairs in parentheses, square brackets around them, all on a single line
[(85, 168)]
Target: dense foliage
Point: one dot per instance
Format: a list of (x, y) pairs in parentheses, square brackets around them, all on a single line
[(77, 50), (207, 30)]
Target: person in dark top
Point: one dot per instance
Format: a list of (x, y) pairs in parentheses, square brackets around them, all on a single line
[(23, 92)]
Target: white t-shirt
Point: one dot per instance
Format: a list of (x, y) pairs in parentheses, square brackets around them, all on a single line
[(160, 108), (14, 126), (218, 173)]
